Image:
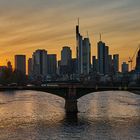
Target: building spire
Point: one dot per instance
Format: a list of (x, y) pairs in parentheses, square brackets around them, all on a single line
[(77, 27)]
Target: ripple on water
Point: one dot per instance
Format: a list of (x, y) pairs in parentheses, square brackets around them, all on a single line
[(40, 116)]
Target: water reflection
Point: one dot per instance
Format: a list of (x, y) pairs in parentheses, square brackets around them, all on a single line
[(37, 115)]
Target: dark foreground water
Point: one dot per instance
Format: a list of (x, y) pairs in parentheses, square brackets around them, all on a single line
[(30, 115)]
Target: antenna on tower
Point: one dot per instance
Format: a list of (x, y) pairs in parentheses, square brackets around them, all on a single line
[(100, 37), (78, 21), (87, 35)]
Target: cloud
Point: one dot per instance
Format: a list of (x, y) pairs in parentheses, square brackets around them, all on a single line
[(26, 25)]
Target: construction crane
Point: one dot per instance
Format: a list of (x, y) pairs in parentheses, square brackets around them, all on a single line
[(132, 58)]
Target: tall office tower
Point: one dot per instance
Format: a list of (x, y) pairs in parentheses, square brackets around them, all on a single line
[(51, 64), (73, 66), (79, 50), (66, 57), (103, 51), (40, 63), (20, 63), (94, 64), (138, 62), (30, 67), (106, 60), (86, 56), (110, 63), (58, 68), (83, 53), (125, 67), (116, 63)]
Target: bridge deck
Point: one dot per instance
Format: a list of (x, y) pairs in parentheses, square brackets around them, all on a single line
[(80, 91)]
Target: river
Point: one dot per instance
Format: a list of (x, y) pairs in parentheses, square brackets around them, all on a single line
[(32, 115)]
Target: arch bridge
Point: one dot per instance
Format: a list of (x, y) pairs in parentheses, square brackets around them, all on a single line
[(72, 92)]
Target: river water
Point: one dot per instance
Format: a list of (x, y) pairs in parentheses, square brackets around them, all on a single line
[(32, 115)]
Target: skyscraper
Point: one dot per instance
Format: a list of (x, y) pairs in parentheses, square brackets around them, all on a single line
[(79, 50), (20, 63), (138, 62), (40, 63), (30, 67), (110, 64), (106, 57), (116, 63), (59, 67), (86, 56), (51, 64), (73, 66), (83, 50), (94, 64), (66, 58), (103, 64), (125, 67)]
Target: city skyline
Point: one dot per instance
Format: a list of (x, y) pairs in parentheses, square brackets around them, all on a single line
[(27, 27), (41, 63)]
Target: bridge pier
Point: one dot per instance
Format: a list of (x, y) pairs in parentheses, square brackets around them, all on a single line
[(71, 106), (71, 101)]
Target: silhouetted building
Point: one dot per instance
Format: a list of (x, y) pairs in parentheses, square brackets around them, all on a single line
[(106, 60), (30, 67), (2, 69), (86, 56), (20, 63), (103, 51), (73, 66), (83, 53), (94, 64), (66, 58), (79, 51), (51, 64), (9, 65), (40, 63), (110, 64), (116, 63), (138, 62), (125, 67), (58, 68)]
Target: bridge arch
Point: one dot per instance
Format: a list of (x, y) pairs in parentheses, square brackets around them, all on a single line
[(85, 91), (58, 93)]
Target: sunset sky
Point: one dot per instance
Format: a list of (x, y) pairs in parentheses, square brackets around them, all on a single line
[(26, 25)]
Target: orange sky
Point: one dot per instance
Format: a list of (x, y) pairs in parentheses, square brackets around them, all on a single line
[(26, 25)]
